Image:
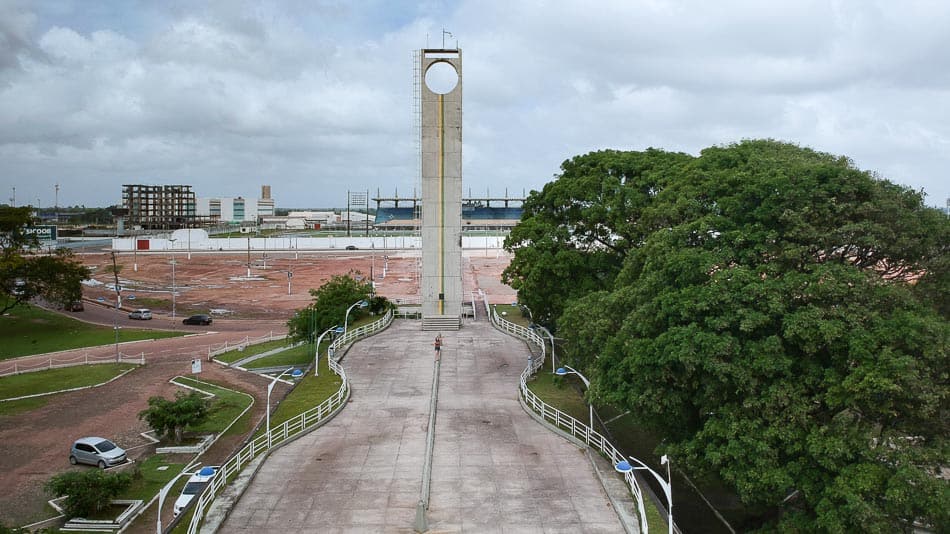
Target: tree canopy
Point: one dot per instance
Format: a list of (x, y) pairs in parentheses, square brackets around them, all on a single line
[(780, 317), (170, 418), (88, 491), (330, 302), (24, 273)]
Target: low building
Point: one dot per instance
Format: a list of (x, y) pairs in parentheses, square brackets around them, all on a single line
[(237, 210)]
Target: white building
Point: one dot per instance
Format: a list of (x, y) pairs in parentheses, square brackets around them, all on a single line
[(237, 209)]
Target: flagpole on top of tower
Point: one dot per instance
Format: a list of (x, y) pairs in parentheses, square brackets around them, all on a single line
[(443, 37)]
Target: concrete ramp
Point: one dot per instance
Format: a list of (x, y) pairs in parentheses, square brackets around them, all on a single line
[(494, 468)]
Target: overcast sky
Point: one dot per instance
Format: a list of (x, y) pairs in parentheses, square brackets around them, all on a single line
[(315, 97)]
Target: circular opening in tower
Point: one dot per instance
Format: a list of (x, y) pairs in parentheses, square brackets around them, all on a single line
[(441, 77)]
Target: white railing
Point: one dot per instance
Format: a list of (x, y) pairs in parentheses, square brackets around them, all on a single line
[(560, 419), (221, 348), (288, 429), (34, 364), (363, 331)]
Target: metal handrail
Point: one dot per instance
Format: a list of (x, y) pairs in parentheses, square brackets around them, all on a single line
[(287, 430), (560, 419), (221, 348), (34, 364)]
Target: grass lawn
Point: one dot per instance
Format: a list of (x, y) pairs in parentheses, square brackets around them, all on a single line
[(151, 303), (24, 405), (234, 355), (310, 392), (59, 379), (225, 407), (513, 314), (26, 330), (300, 356), (152, 479), (560, 392)]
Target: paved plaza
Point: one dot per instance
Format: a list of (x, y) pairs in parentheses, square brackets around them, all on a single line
[(494, 468)]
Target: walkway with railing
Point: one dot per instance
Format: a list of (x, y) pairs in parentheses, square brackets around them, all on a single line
[(492, 466), (241, 344), (559, 419), (291, 428)]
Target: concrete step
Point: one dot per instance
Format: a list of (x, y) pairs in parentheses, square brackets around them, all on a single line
[(441, 322)]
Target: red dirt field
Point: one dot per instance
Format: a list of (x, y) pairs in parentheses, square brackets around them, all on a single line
[(216, 281), (34, 445)]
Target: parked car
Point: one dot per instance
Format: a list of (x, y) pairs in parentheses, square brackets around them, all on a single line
[(96, 451), (75, 306), (198, 319), (351, 247), (195, 485), (143, 314)]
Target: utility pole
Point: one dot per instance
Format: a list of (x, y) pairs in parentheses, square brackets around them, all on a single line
[(118, 304)]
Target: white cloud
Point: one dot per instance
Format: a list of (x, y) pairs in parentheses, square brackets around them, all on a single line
[(314, 98)]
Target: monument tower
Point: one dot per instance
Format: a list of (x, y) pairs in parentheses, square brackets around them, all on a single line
[(441, 166)]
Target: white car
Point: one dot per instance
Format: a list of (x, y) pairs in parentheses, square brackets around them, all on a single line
[(195, 485), (143, 314)]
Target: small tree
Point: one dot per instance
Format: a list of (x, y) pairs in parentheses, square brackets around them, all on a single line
[(169, 418), (88, 491), (329, 306)]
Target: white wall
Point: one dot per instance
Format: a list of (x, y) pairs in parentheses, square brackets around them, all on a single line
[(200, 242)]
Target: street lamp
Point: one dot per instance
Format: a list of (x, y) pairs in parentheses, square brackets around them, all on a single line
[(346, 320), (316, 356), (564, 371), (624, 466), (174, 288), (295, 373), (548, 332), (164, 491)]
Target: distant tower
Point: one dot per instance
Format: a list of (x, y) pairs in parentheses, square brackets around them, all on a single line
[(441, 161)]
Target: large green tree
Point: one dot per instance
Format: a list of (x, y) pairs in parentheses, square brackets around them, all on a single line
[(782, 322), (575, 233), (26, 273)]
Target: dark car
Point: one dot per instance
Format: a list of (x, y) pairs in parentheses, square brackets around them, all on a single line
[(75, 306), (198, 319), (351, 247)]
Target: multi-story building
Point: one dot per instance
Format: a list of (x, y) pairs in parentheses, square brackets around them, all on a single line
[(159, 207)]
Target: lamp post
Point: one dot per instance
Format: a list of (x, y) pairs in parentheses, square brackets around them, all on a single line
[(174, 288), (316, 356), (346, 319), (625, 467), (548, 332), (564, 371), (164, 491), (296, 373)]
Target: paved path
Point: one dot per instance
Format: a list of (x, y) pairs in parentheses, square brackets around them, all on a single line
[(494, 468)]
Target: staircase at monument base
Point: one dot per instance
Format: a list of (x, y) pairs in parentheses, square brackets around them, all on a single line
[(441, 322)]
